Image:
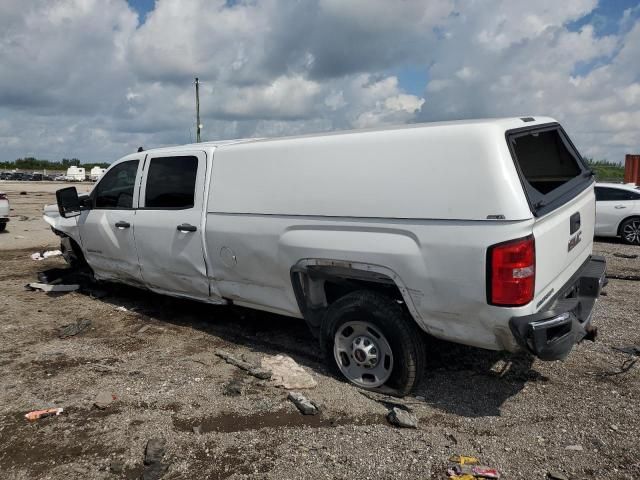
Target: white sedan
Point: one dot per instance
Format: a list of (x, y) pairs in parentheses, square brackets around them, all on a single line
[(4, 211), (618, 211)]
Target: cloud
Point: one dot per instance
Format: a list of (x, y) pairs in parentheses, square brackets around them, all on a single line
[(90, 78)]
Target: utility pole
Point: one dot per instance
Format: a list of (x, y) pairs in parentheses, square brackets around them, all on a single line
[(198, 126)]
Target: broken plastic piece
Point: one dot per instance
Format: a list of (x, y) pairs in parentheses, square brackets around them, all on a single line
[(42, 255), (463, 460), (37, 414), (52, 288)]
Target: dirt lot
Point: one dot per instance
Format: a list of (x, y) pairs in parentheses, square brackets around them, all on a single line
[(519, 415)]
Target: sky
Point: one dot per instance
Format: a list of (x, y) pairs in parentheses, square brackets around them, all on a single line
[(96, 79)]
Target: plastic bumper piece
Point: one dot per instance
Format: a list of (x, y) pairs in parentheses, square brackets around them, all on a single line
[(566, 320)]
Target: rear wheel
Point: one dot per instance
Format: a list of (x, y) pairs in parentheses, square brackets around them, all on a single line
[(630, 231), (369, 339)]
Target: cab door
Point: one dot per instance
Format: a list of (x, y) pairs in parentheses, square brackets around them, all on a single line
[(169, 225), (107, 228)]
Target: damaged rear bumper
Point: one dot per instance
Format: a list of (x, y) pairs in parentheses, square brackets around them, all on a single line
[(566, 320)]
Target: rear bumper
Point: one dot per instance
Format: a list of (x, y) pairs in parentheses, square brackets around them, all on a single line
[(551, 333)]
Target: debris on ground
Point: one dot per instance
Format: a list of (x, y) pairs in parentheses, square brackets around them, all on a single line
[(153, 456), (144, 328), (631, 350), (52, 288), (43, 255), (197, 429), (38, 414), (462, 467), (233, 389), (624, 255), (402, 418), (574, 448), (251, 369), (306, 406), (74, 328), (103, 400), (286, 373), (553, 475)]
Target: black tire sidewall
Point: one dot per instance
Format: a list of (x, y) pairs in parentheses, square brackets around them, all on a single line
[(622, 225), (387, 316)]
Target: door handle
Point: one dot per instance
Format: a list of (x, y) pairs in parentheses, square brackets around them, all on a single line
[(619, 207), (122, 225), (185, 227)]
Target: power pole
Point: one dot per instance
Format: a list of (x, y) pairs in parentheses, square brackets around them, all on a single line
[(198, 126)]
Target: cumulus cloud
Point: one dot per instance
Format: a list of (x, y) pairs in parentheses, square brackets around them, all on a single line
[(90, 78)]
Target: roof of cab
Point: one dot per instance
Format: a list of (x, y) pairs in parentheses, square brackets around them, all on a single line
[(507, 123)]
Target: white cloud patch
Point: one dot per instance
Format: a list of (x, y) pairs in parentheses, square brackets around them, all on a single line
[(84, 78)]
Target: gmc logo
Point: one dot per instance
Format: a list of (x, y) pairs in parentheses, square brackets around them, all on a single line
[(574, 241)]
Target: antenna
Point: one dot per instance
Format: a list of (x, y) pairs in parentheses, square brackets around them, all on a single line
[(198, 124)]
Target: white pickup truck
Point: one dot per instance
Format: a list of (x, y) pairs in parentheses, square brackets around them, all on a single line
[(478, 232)]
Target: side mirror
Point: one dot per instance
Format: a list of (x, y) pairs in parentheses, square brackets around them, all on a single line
[(68, 202)]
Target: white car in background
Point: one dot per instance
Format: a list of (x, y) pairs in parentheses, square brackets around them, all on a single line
[(4, 211), (618, 211)]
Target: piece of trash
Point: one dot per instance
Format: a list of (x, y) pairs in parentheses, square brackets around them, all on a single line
[(402, 418), (144, 328), (463, 460), (466, 468), (575, 448), (197, 429), (74, 328), (286, 373), (306, 406), (37, 414), (154, 469), (103, 400), (52, 288), (624, 255), (631, 350), (122, 309), (47, 254), (556, 476), (257, 372)]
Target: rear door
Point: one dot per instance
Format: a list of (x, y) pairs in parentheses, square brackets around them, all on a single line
[(559, 187), (170, 224), (612, 206)]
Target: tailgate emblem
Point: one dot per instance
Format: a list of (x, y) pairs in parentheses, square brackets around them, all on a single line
[(574, 223), (574, 241)]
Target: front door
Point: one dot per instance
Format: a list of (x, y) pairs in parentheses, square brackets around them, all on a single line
[(169, 225), (107, 229)]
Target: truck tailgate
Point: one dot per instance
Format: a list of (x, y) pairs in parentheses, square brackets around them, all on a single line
[(564, 240)]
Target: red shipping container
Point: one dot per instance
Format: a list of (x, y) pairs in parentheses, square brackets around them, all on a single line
[(632, 169)]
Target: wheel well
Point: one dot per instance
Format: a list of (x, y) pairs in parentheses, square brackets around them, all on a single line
[(317, 287), (624, 220)]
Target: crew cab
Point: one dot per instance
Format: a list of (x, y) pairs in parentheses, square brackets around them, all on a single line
[(477, 232)]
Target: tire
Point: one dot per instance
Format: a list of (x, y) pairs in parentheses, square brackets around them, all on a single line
[(3, 225), (368, 339), (630, 231)]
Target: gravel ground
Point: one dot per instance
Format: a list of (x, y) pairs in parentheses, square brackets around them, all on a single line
[(516, 413)]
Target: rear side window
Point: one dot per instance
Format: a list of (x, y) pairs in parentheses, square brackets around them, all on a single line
[(171, 182), (550, 168), (115, 190), (604, 194)]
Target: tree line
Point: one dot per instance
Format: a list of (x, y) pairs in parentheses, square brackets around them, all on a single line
[(31, 163), (606, 170)]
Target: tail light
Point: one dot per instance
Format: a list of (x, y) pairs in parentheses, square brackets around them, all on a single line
[(511, 272)]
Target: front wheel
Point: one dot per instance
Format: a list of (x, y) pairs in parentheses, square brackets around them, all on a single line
[(372, 343), (630, 231)]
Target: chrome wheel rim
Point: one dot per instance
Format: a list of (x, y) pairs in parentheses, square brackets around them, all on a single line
[(631, 231), (363, 354)]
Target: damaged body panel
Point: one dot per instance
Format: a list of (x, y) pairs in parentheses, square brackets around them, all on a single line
[(339, 227)]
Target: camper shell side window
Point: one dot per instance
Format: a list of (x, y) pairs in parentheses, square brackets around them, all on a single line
[(551, 170)]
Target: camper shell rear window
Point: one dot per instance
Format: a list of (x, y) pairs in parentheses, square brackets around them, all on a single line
[(551, 170)]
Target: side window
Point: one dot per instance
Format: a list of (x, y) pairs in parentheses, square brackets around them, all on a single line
[(615, 194), (171, 182), (115, 189)]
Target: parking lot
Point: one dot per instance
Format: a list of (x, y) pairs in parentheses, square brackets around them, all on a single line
[(156, 356)]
